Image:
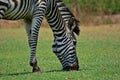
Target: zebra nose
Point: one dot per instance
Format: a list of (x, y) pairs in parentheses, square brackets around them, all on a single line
[(75, 66)]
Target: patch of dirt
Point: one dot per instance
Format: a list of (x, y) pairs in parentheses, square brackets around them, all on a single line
[(99, 20), (10, 24), (17, 23), (85, 20)]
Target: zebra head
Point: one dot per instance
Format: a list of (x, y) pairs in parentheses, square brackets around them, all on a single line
[(64, 45), (72, 27), (65, 49)]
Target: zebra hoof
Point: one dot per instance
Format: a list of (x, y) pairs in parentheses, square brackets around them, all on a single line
[(36, 69)]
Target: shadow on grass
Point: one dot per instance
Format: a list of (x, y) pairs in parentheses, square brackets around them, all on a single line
[(66, 71), (51, 71), (15, 74), (82, 69)]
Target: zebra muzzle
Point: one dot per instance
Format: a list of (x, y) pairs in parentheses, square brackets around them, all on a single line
[(75, 66)]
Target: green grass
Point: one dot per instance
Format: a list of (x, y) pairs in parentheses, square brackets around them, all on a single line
[(98, 50)]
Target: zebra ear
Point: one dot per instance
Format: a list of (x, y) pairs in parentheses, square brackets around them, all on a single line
[(73, 25), (76, 28), (70, 23)]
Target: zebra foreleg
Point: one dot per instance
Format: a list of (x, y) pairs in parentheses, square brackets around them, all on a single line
[(38, 14), (28, 30)]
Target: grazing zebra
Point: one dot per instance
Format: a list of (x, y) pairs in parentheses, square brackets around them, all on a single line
[(33, 11)]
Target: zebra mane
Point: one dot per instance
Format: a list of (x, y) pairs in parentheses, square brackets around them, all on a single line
[(73, 25), (68, 17)]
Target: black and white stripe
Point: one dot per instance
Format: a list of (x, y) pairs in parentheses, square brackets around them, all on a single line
[(72, 24), (68, 17), (63, 45), (33, 11)]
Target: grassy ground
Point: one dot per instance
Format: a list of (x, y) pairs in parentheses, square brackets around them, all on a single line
[(98, 50)]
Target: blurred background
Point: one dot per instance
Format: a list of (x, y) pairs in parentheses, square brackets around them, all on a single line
[(89, 12)]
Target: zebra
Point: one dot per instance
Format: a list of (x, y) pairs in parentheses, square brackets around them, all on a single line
[(33, 11)]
